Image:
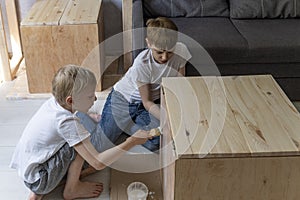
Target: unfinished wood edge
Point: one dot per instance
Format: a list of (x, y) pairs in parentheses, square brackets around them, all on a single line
[(15, 65), (167, 172), (76, 13), (27, 21), (283, 94), (4, 56), (13, 25), (101, 38), (127, 32)]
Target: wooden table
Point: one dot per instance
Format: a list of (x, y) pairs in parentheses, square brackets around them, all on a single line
[(60, 32), (233, 138)]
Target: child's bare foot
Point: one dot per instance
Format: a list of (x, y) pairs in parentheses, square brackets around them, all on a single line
[(33, 196), (83, 190)]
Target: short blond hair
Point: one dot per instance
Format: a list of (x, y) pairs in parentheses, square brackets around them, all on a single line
[(162, 33), (70, 80)]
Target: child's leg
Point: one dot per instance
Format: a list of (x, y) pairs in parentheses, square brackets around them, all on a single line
[(51, 172), (74, 188), (115, 117)]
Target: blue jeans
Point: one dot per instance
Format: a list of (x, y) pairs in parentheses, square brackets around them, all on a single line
[(119, 116)]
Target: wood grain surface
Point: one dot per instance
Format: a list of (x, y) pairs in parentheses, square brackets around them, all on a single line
[(231, 116), (57, 33)]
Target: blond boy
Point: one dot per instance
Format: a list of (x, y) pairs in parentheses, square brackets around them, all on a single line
[(133, 103), (54, 142)]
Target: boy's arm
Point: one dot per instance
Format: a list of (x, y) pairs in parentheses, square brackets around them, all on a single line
[(149, 105), (100, 160)]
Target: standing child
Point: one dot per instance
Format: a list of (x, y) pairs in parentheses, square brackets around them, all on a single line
[(55, 144), (134, 101)]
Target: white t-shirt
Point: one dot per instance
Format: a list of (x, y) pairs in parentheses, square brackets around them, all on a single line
[(48, 130), (146, 70)]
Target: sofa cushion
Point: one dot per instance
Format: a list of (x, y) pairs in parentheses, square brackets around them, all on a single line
[(187, 8), (217, 35), (264, 9), (271, 41)]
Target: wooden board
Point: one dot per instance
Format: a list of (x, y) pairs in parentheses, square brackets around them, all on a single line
[(167, 153), (127, 32), (48, 48), (81, 12), (15, 39), (119, 182), (45, 13), (10, 61), (267, 178), (231, 117), (5, 71)]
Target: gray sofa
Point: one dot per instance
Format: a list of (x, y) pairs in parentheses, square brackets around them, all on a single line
[(242, 36)]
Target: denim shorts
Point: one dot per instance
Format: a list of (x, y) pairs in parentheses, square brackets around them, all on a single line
[(53, 170)]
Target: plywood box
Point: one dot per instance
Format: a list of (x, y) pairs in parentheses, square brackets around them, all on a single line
[(229, 138), (60, 32)]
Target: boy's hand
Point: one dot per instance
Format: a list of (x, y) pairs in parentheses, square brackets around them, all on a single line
[(95, 116), (155, 132), (140, 137)]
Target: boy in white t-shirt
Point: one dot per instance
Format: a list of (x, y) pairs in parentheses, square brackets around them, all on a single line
[(134, 100), (55, 143)]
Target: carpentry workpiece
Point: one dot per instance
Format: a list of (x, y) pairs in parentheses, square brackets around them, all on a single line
[(60, 32)]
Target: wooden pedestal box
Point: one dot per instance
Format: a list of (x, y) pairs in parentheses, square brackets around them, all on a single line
[(229, 138), (60, 32)]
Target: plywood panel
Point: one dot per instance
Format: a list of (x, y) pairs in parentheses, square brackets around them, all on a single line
[(260, 125), (81, 12), (167, 153), (13, 23), (48, 48), (127, 32), (4, 59), (45, 13), (275, 178), (40, 57), (231, 116)]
